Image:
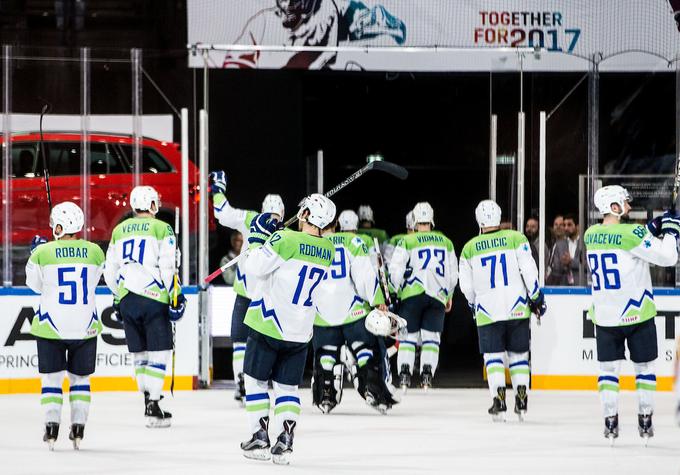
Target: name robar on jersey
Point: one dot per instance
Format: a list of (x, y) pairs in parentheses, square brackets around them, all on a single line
[(351, 286), (141, 259), (283, 277), (433, 260), (65, 273), (498, 275), (618, 257), (240, 220)]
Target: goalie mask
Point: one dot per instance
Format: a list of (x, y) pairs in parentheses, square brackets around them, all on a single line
[(295, 12)]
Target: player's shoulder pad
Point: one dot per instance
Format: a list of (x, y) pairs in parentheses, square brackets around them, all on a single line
[(97, 254), (358, 245)]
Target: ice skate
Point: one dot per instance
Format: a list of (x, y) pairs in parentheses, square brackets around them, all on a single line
[(146, 400), (611, 428), (239, 393), (76, 435), (327, 400), (283, 448), (405, 377), (51, 434), (521, 402), (257, 448), (498, 407), (645, 427), (380, 406), (426, 377), (156, 417)]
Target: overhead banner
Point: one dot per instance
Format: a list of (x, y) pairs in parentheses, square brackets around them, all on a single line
[(621, 35), (114, 365)]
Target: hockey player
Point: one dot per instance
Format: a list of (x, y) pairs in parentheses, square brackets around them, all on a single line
[(344, 299), (499, 279), (348, 221), (623, 307), (426, 293), (392, 242), (240, 220), (65, 273), (140, 270), (284, 269), (366, 223)]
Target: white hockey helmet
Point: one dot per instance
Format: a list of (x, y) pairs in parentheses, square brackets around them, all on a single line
[(273, 204), (366, 213), (410, 221), (348, 220), (488, 214), (69, 216), (608, 195), (423, 213), (379, 323), (142, 197), (321, 210)]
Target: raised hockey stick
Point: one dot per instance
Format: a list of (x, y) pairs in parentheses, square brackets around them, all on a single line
[(393, 169), (400, 322), (175, 295), (46, 173)]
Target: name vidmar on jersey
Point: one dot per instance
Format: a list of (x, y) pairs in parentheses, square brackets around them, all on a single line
[(618, 257), (497, 275), (283, 276), (141, 259), (433, 260), (65, 273), (240, 220), (351, 286)]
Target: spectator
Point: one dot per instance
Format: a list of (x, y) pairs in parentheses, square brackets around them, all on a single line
[(236, 241), (567, 256), (557, 230), (531, 232)]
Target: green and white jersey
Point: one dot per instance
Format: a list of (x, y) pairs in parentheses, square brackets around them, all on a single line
[(351, 286), (433, 260), (498, 275), (240, 220), (283, 277), (65, 273), (141, 259), (389, 247), (619, 256), (381, 234)]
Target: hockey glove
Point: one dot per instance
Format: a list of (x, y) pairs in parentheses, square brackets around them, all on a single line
[(654, 226), (218, 182), (670, 224), (37, 241), (537, 305), (116, 315), (408, 272), (177, 312), (262, 227)]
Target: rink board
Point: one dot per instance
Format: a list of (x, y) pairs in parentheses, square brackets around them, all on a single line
[(563, 349), (114, 371)]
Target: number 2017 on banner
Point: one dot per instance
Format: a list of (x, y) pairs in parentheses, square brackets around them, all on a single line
[(549, 39)]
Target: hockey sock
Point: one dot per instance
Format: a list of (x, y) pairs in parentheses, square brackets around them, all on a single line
[(645, 383), (363, 352), (407, 351), (327, 357), (608, 385), (155, 373), (141, 359), (286, 406), (52, 398), (429, 353), (518, 364), (257, 401), (79, 396), (237, 359), (495, 371)]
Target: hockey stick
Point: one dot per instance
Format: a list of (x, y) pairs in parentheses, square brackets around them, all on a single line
[(45, 109), (175, 295), (387, 167), (392, 350)]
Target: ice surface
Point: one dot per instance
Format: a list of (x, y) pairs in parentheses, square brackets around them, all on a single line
[(443, 431)]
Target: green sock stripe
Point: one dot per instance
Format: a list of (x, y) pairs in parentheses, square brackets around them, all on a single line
[(139, 371), (238, 357), (287, 408), (410, 348), (495, 369), (327, 360), (79, 397), (257, 407), (608, 387), (430, 348), (52, 400), (519, 371), (154, 374), (645, 386)]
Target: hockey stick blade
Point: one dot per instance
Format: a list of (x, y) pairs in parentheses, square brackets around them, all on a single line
[(393, 169)]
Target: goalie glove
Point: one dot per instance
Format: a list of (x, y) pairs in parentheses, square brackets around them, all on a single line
[(537, 305), (382, 323)]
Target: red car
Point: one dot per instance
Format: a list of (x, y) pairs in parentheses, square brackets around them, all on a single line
[(110, 180)]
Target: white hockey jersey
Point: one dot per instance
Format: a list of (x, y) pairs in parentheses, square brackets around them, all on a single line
[(65, 273), (434, 266), (351, 286), (141, 259), (498, 275), (283, 277), (619, 256)]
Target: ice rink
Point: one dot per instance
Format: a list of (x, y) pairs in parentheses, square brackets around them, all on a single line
[(443, 431)]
